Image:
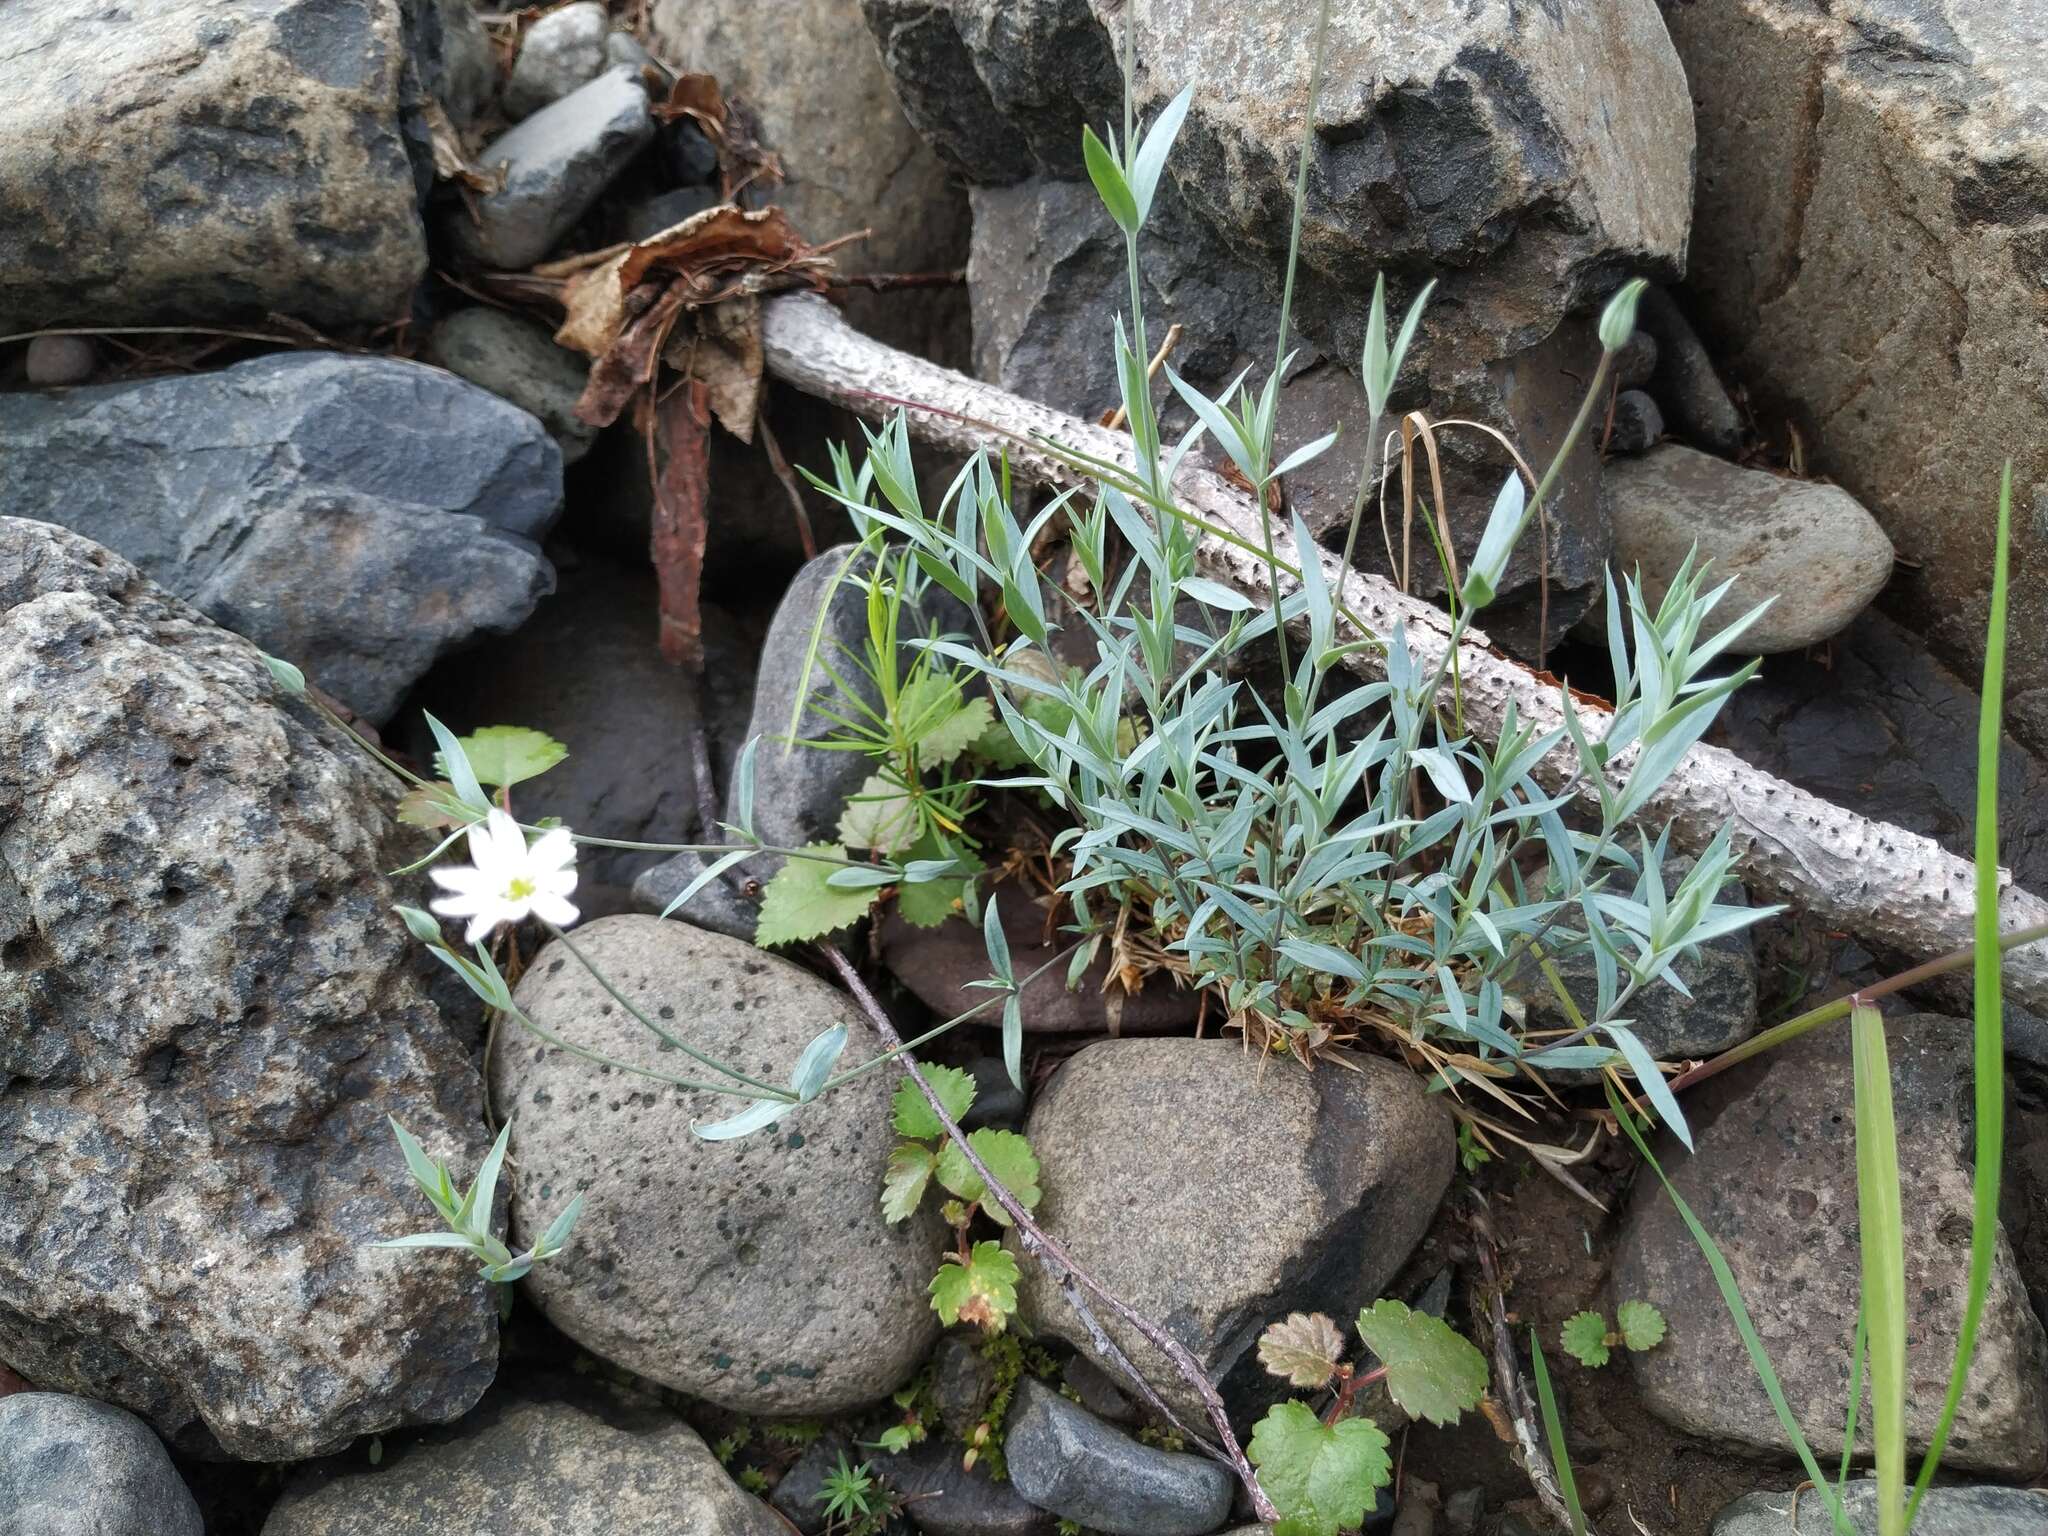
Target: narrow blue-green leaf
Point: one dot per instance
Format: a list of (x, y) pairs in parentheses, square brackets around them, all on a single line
[(995, 940), (808, 1076), (1882, 1240), (743, 786), (762, 1112), (1150, 159), (861, 877), (558, 1231), (426, 1240), (1013, 1037), (1644, 1066), (1109, 181), (456, 761), (483, 1194), (710, 872)]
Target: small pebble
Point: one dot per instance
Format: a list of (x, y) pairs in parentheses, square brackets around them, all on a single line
[(1638, 424), (1462, 1511), (1636, 362), (692, 157), (60, 360)]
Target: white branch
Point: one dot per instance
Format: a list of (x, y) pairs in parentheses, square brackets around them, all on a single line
[(1893, 889)]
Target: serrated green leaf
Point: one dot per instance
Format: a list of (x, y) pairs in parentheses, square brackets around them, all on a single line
[(507, 754), (1584, 1337), (1432, 1371), (434, 807), (1302, 1350), (881, 814), (929, 904), (982, 1291), (1007, 1155), (903, 1185), (799, 904), (1320, 1477), (1640, 1325), (914, 1117)]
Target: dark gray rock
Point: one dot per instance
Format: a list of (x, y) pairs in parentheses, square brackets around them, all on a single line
[(755, 1273), (997, 1100), (562, 52), (206, 1016), (1636, 364), (359, 516), (70, 1467), (1268, 1189), (556, 164), (1064, 1459), (800, 792), (1462, 1511), (940, 1497), (1099, 1392), (1944, 1512), (624, 48), (665, 211), (1774, 1180), (588, 670), (469, 64), (519, 361), (1686, 385), (260, 164), (963, 1382), (58, 361), (1637, 422), (583, 1461)]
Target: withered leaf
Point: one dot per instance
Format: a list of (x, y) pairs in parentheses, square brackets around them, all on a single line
[(1303, 1350), (596, 304), (723, 350), (680, 424)]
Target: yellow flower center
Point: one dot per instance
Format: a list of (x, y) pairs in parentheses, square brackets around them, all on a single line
[(520, 889)]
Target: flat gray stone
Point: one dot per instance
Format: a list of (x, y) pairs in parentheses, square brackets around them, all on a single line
[(561, 52), (1064, 1459), (1774, 1180), (71, 1467), (517, 360), (755, 1273), (359, 516), (556, 164), (260, 162), (940, 1497), (207, 1017), (518, 1464), (1944, 1512), (1810, 546)]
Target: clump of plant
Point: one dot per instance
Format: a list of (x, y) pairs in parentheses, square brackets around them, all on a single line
[(855, 1501), (1589, 1339), (1323, 1469)]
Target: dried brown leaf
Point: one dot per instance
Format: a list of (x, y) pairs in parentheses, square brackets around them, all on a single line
[(596, 305), (724, 352), (681, 441), (1302, 1350), (451, 158)]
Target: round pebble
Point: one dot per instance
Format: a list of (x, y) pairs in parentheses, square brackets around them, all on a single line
[(59, 360)]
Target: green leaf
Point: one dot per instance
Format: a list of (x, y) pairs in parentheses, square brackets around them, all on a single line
[(1553, 1433), (1584, 1338), (507, 754), (903, 1185), (1302, 1350), (1109, 181), (1881, 1226), (881, 814), (799, 904), (288, 677), (1432, 1371), (1640, 1325), (930, 903), (953, 733), (914, 1117), (895, 1439), (982, 1291), (434, 807), (1007, 1155), (1321, 1477)]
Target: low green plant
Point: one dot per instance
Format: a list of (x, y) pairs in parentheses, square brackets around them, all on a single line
[(855, 1501), (1589, 1339)]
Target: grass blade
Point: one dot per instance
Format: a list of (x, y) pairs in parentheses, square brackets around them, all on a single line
[(1883, 1241), (1553, 1431), (1990, 1020), (1731, 1295), (1855, 1398)]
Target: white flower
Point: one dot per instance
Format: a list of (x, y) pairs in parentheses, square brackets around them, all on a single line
[(509, 879)]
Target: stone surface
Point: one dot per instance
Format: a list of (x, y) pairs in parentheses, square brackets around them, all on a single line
[(55, 361), (518, 361), (359, 516), (756, 1273), (1721, 976), (800, 792), (1944, 1512), (578, 1463), (1047, 281), (1891, 150), (940, 1498), (71, 1467), (469, 64), (1527, 154), (963, 1382), (850, 161), (259, 165), (587, 669), (1636, 425), (562, 51), (1810, 546), (556, 163), (1774, 1181), (1064, 1459), (646, 219), (206, 1015), (1684, 379), (1267, 1189), (941, 964)]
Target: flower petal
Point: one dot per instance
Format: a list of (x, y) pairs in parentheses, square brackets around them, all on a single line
[(555, 849), (551, 908), (463, 904), (458, 877)]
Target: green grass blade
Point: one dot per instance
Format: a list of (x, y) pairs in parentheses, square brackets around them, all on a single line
[(1553, 1431), (1881, 1224), (1731, 1295), (1855, 1398), (1990, 1021)]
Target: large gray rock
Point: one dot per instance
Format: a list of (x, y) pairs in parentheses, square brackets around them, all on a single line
[(206, 1015), (1873, 196), (756, 1273), (530, 1463), (360, 516), (1064, 1459), (1806, 544), (517, 360), (850, 161), (1944, 1512), (1774, 1181), (468, 80), (1266, 1188), (556, 164), (562, 51), (70, 1467), (259, 162), (588, 670)]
